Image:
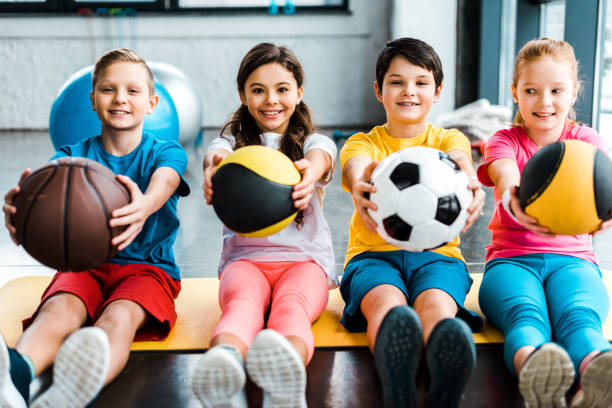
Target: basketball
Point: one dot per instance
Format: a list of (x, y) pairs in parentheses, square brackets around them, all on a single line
[(252, 191), (63, 209), (567, 187)]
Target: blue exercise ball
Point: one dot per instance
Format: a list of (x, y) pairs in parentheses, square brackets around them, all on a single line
[(72, 119), (185, 97)]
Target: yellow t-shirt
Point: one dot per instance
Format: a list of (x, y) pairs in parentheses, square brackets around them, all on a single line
[(377, 145)]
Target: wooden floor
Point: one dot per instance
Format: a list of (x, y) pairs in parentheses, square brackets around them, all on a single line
[(336, 378)]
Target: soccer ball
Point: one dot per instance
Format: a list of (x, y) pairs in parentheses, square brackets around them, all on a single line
[(422, 197)]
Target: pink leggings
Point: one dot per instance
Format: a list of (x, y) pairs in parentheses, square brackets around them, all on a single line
[(297, 291)]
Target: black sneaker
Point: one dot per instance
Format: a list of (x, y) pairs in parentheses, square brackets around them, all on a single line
[(450, 356), (397, 354)]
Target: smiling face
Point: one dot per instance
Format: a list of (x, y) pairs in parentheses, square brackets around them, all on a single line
[(545, 91), (121, 97), (408, 92), (271, 94)]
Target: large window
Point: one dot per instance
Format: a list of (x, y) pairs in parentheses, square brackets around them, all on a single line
[(552, 20), (100, 6), (605, 102)]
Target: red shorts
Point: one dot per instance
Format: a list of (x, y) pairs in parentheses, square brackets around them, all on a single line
[(149, 286)]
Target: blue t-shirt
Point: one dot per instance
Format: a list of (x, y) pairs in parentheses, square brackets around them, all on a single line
[(153, 245)]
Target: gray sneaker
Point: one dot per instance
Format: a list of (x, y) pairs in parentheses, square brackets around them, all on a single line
[(218, 380), (79, 370), (9, 396), (276, 366), (596, 383), (545, 377)]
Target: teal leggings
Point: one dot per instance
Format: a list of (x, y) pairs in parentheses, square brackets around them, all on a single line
[(539, 298)]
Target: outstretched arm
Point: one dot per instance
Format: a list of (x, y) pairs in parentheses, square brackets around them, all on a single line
[(356, 175), (506, 176), (475, 208), (211, 162), (162, 185), (313, 168)]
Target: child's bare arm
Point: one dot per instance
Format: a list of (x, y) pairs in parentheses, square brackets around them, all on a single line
[(506, 176), (356, 175), (478, 202), (162, 185), (210, 164), (313, 168)]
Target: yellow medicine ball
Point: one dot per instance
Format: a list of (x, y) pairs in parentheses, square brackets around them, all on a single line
[(252, 191), (567, 187)]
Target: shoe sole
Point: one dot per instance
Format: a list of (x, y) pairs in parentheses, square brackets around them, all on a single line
[(546, 377), (9, 396), (218, 380), (397, 355), (596, 383), (450, 357), (275, 366), (79, 370)]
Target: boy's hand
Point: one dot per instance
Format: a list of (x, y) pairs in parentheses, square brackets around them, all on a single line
[(208, 173), (477, 205), (302, 191), (360, 188), (525, 220), (9, 209), (132, 215)]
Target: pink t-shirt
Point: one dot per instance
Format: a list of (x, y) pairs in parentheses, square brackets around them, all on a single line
[(510, 238)]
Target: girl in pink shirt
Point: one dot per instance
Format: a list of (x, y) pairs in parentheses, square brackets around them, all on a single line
[(544, 291)]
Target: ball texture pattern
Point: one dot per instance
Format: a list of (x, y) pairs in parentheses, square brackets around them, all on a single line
[(252, 191), (63, 210), (422, 198)]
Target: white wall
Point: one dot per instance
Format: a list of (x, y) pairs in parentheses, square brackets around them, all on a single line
[(338, 53), (434, 22)]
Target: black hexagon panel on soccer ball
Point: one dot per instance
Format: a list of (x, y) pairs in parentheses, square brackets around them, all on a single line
[(397, 228), (445, 158), (405, 175), (448, 209)]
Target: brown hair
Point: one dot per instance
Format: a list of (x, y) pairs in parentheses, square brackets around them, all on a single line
[(121, 55), (545, 47), (243, 126), (417, 52)]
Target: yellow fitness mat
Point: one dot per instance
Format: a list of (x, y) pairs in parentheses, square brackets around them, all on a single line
[(198, 312)]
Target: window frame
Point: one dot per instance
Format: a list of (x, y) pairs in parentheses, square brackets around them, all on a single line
[(70, 6)]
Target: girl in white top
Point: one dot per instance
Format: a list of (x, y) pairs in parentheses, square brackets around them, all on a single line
[(285, 276)]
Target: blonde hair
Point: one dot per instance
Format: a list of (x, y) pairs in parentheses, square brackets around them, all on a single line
[(545, 47), (121, 55)]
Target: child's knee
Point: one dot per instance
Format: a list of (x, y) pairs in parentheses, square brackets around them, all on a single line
[(63, 309)]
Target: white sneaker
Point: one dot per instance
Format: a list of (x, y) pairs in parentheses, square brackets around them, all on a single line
[(545, 377), (218, 380), (79, 370), (596, 383), (9, 396), (276, 366)]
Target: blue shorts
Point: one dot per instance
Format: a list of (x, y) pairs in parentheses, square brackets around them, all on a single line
[(412, 273)]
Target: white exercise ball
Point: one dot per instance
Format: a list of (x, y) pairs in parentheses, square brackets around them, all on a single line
[(185, 98)]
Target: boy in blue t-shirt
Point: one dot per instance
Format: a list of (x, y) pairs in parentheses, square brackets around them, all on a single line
[(132, 295)]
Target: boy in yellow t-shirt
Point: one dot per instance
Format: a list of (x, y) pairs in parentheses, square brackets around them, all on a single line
[(408, 301)]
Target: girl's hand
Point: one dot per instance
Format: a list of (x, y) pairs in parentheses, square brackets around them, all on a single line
[(477, 205), (359, 190), (525, 220), (132, 215), (208, 173), (303, 191), (606, 225), (9, 209)]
